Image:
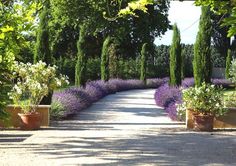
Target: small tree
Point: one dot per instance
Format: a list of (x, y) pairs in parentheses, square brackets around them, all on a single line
[(202, 49), (144, 55), (228, 64), (80, 69), (114, 52), (105, 59), (42, 48), (182, 64), (175, 58)]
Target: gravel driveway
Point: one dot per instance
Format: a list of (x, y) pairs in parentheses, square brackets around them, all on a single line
[(125, 128)]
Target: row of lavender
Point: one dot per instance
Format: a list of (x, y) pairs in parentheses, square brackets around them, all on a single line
[(70, 101), (168, 97)]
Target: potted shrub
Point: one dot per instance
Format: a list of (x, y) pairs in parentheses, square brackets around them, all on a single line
[(31, 83), (205, 102)]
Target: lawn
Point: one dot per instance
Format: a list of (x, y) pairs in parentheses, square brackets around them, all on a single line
[(230, 97)]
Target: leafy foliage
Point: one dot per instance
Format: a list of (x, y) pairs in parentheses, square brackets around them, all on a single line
[(15, 19), (228, 64), (232, 71), (42, 48), (224, 8), (33, 82), (205, 99), (67, 18), (219, 36)]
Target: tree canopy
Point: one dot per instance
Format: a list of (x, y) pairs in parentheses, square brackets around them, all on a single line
[(67, 16), (225, 8)]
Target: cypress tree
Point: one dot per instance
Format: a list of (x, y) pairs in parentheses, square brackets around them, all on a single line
[(182, 64), (80, 68), (42, 48), (114, 52), (228, 63), (202, 49), (175, 58), (144, 55), (105, 59)]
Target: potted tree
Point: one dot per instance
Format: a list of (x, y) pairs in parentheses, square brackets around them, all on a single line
[(31, 83), (205, 102)]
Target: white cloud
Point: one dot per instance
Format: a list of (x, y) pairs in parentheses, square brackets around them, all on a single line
[(186, 15)]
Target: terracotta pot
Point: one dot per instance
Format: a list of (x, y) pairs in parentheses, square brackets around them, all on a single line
[(203, 122), (30, 121)]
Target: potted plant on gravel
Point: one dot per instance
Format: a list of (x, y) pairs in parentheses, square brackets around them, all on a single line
[(205, 102), (32, 83)]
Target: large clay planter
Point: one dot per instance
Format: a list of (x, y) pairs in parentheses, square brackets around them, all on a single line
[(15, 120), (227, 121), (203, 122), (30, 121)]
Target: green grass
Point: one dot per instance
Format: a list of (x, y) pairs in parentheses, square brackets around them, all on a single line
[(229, 92), (230, 97)]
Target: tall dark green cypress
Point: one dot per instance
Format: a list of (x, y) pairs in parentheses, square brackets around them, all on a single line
[(202, 49), (144, 55), (175, 58), (182, 64), (105, 59), (80, 68), (42, 48), (228, 63), (114, 52)]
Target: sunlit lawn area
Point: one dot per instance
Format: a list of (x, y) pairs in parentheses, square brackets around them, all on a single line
[(230, 97)]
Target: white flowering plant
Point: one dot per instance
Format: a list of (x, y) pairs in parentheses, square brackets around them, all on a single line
[(33, 82), (181, 111), (205, 99)]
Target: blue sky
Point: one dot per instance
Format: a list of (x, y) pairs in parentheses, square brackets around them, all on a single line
[(186, 15)]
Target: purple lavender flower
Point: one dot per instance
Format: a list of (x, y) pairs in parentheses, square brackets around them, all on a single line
[(188, 82), (83, 98), (172, 111), (121, 85), (166, 94), (96, 90), (69, 102), (156, 82)]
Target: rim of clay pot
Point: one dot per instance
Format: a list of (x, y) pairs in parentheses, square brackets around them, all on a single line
[(29, 114)]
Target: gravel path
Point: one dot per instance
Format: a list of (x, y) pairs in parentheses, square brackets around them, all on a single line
[(125, 128)]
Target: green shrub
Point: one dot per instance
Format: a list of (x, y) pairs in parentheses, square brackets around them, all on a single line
[(228, 64), (57, 110), (42, 48), (205, 99), (232, 71), (93, 71)]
